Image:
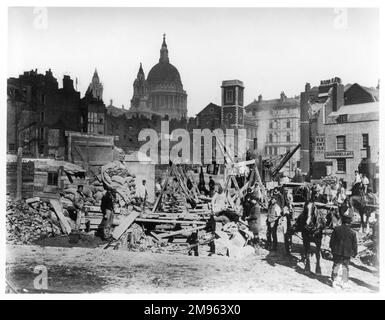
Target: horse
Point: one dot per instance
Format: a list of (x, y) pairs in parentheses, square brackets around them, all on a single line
[(311, 224), (359, 201)]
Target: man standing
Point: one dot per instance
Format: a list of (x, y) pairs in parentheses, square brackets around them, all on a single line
[(278, 198), (79, 205), (343, 244), (254, 216), (211, 186), (158, 188), (142, 193), (107, 208), (273, 215), (365, 182), (357, 178)]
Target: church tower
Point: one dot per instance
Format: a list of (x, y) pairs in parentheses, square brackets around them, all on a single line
[(140, 96), (96, 88), (232, 115)]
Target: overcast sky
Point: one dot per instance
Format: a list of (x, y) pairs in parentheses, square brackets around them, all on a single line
[(270, 50)]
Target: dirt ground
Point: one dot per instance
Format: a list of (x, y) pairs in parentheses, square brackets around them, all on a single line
[(90, 269)]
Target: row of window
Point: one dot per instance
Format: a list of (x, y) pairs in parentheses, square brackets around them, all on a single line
[(167, 100), (341, 142), (274, 138), (273, 124), (95, 128), (93, 117)]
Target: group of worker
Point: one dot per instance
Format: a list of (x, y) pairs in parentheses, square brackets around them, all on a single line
[(107, 206), (279, 212)]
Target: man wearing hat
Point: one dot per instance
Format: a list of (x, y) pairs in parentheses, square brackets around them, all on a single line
[(343, 244), (107, 208), (79, 202)]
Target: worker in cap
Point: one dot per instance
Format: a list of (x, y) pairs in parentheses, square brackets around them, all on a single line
[(343, 244), (79, 202)]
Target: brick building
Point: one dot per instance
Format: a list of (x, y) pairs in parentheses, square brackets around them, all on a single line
[(277, 127), (39, 112), (339, 130), (352, 141)]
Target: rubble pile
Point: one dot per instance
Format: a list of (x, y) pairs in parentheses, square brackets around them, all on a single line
[(117, 177), (93, 193), (28, 222)]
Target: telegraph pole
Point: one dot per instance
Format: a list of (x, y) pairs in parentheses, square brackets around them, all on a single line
[(19, 173)]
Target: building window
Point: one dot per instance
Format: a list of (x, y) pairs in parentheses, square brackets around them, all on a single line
[(271, 124), (11, 147), (275, 150), (341, 165), (270, 138), (42, 98), (255, 143), (288, 137), (41, 136), (42, 116), (341, 143), (342, 118), (288, 124), (52, 178), (365, 140), (229, 96)]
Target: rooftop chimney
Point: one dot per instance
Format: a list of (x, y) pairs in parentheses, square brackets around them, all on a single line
[(260, 98), (307, 86)]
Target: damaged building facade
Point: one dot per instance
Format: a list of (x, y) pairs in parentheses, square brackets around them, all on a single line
[(339, 131), (39, 112)]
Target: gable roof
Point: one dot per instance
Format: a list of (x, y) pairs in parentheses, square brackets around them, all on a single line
[(207, 110), (374, 92)]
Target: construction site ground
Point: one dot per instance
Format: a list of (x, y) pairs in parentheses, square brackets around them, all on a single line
[(87, 268)]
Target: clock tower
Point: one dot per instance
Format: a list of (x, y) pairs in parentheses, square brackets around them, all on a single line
[(232, 112)]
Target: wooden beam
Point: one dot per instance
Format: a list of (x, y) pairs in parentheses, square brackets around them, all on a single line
[(170, 221), (124, 224), (170, 234), (56, 205)]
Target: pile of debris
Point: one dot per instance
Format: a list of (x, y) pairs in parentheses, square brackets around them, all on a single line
[(31, 220)]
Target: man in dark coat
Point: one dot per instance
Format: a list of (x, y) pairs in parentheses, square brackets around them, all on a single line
[(211, 186), (343, 244), (252, 213), (107, 208)]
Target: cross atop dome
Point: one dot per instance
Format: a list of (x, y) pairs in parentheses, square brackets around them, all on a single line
[(164, 51)]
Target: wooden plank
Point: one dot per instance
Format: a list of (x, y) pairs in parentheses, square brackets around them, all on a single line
[(155, 236), (93, 208), (59, 212), (170, 234), (124, 224), (171, 221)]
